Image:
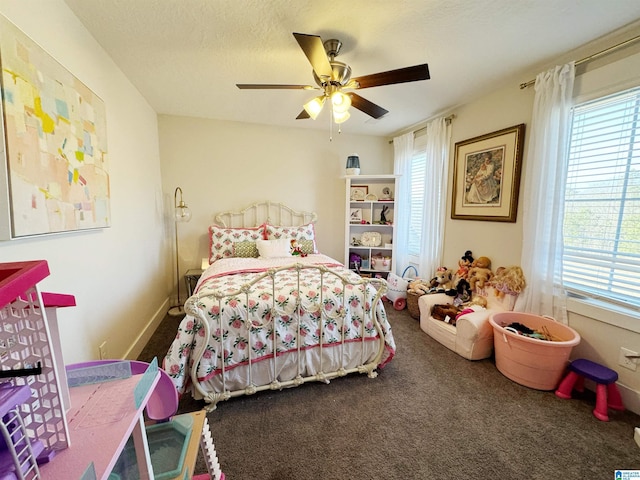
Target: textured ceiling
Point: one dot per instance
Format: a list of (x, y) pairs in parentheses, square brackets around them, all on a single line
[(185, 56)]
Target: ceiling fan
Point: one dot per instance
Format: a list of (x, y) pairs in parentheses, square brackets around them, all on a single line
[(332, 77)]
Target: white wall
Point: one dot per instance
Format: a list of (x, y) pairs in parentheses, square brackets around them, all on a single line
[(228, 166), (117, 275)]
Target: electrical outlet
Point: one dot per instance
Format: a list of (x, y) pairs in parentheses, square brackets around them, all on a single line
[(625, 361), (104, 355)]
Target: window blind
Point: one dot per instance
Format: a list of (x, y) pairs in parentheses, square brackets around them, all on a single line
[(416, 213), (601, 255)]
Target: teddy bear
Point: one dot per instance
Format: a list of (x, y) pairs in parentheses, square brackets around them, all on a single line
[(418, 287), (480, 273)]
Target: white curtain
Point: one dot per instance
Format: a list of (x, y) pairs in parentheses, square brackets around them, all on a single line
[(403, 153), (436, 149), (543, 202)]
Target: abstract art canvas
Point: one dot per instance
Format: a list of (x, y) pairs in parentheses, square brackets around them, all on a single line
[(55, 173)]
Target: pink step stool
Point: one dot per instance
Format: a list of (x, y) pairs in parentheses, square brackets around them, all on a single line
[(607, 393)]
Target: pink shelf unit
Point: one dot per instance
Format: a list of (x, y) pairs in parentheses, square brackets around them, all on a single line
[(25, 342)]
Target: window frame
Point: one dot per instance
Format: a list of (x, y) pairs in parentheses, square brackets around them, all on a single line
[(594, 297)]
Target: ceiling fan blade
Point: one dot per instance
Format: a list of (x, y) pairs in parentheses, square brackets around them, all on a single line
[(266, 86), (314, 50), (364, 105), (302, 115), (401, 75)]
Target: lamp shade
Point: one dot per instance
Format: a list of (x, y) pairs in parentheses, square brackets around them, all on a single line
[(182, 212), (341, 117), (314, 107)]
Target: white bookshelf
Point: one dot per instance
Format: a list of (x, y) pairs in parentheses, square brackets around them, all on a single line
[(365, 201)]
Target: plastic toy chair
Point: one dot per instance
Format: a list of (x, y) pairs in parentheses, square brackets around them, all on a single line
[(163, 403)]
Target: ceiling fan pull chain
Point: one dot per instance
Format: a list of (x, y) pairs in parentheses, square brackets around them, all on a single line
[(331, 125)]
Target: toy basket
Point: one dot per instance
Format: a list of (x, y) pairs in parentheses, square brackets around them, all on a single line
[(412, 305), (397, 288)]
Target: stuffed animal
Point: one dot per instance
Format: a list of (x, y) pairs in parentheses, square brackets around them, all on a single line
[(442, 281), (508, 280), (445, 312), (464, 264), (462, 292), (478, 301), (296, 249), (480, 272), (418, 287)]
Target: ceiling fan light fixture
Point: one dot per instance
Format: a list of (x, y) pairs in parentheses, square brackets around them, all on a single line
[(341, 117), (314, 106), (340, 102)]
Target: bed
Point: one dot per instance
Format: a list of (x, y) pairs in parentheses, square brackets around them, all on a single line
[(271, 312)]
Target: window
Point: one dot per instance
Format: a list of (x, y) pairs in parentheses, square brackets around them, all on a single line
[(601, 229), (416, 209)]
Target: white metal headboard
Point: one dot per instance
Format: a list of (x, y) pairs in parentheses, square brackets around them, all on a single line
[(274, 213)]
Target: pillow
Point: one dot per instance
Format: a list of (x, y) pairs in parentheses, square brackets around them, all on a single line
[(303, 232), (245, 249), (221, 239), (306, 246), (274, 248)]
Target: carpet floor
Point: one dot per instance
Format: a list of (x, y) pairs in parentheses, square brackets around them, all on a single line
[(430, 414)]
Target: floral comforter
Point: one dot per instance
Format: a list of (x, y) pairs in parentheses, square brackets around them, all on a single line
[(244, 323)]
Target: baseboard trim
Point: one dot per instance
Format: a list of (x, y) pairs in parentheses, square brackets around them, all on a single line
[(630, 398), (145, 334)]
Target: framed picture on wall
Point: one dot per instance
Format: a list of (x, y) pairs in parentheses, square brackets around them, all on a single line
[(486, 176)]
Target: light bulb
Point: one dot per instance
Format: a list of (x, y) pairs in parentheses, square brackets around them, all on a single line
[(340, 101), (183, 214)]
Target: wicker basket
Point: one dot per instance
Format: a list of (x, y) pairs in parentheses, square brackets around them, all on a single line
[(412, 305)]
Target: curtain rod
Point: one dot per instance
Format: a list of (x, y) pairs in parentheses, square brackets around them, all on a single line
[(448, 121), (591, 57)]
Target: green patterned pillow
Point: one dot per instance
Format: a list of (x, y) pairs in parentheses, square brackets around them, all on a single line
[(245, 250), (306, 246)]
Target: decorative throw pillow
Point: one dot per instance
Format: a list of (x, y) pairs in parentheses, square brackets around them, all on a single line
[(303, 232), (274, 248), (221, 239), (306, 246), (245, 250)]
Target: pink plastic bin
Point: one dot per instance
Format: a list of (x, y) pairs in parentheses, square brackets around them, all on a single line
[(534, 363)]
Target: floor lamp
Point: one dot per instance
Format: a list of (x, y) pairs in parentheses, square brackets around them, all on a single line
[(181, 214)]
